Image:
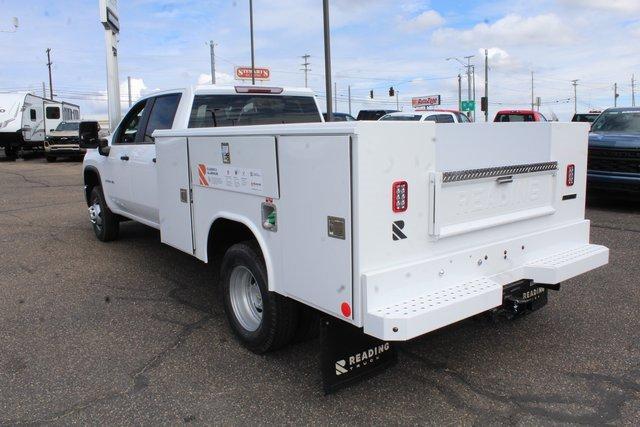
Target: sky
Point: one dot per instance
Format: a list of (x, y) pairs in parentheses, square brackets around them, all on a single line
[(375, 45)]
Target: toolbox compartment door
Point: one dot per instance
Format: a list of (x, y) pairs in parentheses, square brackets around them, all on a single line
[(468, 200), (174, 195)]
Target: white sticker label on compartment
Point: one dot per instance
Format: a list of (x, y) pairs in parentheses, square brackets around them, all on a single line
[(231, 178)]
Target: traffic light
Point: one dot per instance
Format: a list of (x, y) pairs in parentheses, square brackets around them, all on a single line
[(484, 104), (371, 94), (392, 92)]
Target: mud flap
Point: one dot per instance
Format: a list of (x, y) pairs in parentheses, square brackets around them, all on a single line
[(349, 355)]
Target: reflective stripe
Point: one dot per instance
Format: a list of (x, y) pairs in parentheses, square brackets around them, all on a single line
[(465, 175)]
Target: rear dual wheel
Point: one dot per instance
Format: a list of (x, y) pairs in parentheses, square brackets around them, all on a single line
[(262, 320)]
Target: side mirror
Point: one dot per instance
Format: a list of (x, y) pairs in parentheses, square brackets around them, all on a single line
[(89, 135)]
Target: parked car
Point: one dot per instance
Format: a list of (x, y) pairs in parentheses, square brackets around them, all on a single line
[(614, 151), (438, 116), (340, 117), (589, 117), (64, 141), (519, 116), (373, 114)]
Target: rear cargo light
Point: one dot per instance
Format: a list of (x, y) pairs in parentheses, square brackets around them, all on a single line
[(571, 175), (258, 89), (400, 196)]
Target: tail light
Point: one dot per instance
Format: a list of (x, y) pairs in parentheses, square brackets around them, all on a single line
[(400, 196), (571, 175)]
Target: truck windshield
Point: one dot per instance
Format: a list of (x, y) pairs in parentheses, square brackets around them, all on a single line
[(617, 121), (245, 110), (66, 126)]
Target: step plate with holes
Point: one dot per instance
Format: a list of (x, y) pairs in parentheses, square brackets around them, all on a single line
[(433, 310)]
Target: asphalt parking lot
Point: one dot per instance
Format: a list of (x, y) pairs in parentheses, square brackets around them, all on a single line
[(132, 332)]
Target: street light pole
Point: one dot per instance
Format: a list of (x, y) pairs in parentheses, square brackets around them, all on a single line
[(327, 58), (49, 64), (486, 84), (253, 57), (575, 96), (459, 92)]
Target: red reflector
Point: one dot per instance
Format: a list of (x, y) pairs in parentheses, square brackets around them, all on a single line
[(346, 309), (571, 175), (400, 196), (258, 89)]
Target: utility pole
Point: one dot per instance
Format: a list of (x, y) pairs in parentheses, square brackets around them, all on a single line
[(486, 84), (575, 96), (49, 63), (473, 76), (44, 90), (459, 92), (212, 49), (253, 57), (633, 90), (306, 69), (335, 97), (468, 58), (397, 100), (349, 99), (129, 89), (615, 94), (327, 57), (532, 101)]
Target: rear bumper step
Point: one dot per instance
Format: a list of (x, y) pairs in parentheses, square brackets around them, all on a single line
[(436, 308)]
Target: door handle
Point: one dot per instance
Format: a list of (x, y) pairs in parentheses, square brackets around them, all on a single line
[(125, 158), (504, 179), (154, 160)]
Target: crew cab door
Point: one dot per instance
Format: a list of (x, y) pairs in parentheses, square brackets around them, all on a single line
[(143, 173), (117, 171)]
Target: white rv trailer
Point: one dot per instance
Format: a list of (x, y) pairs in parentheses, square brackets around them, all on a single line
[(27, 119)]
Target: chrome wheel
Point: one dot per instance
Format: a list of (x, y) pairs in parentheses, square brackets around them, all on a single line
[(246, 298), (95, 213)]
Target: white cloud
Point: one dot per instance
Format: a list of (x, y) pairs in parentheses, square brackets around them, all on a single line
[(221, 79), (138, 89), (499, 58), (425, 21), (624, 6), (510, 30)]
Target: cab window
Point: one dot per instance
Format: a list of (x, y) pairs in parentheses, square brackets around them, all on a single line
[(53, 113), (163, 112), (128, 130), (444, 118), (32, 115)]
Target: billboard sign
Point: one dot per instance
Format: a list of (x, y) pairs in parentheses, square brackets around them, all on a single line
[(425, 101), (244, 73)]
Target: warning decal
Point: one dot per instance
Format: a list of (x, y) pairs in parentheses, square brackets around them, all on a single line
[(231, 178)]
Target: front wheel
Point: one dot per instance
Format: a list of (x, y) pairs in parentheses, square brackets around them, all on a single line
[(51, 159), (262, 320), (105, 223), (10, 152)]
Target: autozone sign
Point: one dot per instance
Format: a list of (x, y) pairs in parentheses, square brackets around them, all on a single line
[(425, 101), (244, 73)]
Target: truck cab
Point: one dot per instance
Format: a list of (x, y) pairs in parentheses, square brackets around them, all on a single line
[(125, 167)]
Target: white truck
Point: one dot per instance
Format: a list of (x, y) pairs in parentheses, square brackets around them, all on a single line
[(26, 120), (395, 229)]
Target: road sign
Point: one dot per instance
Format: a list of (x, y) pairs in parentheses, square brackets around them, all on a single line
[(468, 105), (425, 101), (244, 73)]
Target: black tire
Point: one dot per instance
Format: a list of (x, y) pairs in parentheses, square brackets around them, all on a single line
[(51, 159), (11, 153), (108, 227), (279, 315)]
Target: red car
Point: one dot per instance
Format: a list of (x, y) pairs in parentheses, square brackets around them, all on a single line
[(519, 116)]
